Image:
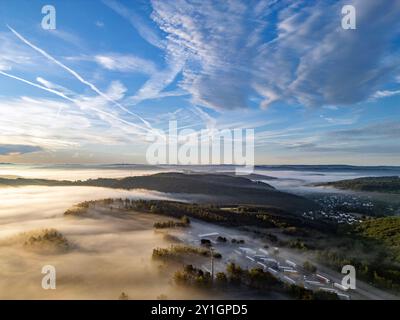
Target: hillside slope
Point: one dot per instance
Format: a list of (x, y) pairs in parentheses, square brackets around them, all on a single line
[(218, 187)]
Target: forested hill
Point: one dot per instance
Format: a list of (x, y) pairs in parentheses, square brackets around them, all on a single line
[(220, 188), (372, 184)]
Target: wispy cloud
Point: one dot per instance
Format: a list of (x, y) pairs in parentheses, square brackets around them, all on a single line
[(375, 138), (212, 35), (158, 80), (310, 59), (68, 37), (154, 87), (79, 77), (216, 61), (126, 63), (99, 24), (56, 87), (385, 93), (93, 104), (10, 149), (379, 131), (306, 58), (35, 122), (340, 120), (146, 32), (13, 55)]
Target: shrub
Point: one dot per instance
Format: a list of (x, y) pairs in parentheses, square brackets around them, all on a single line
[(308, 266)]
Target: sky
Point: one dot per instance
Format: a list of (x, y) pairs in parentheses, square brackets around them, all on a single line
[(114, 72)]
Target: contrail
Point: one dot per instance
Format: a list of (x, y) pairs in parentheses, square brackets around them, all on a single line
[(78, 103), (77, 76)]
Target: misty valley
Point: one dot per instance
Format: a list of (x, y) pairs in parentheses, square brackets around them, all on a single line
[(151, 236)]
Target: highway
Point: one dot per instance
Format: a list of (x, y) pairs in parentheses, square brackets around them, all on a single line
[(283, 263)]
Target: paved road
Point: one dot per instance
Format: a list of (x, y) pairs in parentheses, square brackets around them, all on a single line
[(283, 263)]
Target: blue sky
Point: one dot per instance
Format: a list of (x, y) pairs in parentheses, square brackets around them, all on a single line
[(115, 70)]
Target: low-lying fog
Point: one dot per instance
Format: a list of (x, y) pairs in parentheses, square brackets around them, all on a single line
[(55, 173), (108, 255)]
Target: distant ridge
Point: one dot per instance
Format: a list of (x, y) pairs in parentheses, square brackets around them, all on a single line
[(219, 188), (227, 166), (389, 184), (325, 167)]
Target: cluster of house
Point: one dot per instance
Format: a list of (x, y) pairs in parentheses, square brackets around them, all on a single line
[(337, 208)]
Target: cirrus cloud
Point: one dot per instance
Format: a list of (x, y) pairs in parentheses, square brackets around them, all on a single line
[(283, 51)]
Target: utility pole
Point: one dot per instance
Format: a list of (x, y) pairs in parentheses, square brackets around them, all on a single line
[(212, 263)]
